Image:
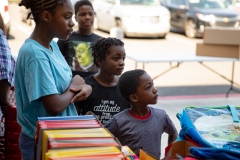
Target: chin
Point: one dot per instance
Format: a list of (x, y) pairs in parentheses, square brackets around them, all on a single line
[(118, 74), (63, 37)]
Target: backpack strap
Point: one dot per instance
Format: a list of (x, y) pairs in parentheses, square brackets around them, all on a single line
[(234, 113)]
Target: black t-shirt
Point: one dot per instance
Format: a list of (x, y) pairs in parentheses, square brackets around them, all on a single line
[(104, 102), (78, 45)]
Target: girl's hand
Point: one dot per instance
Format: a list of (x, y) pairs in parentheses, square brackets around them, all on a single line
[(77, 81), (82, 92)]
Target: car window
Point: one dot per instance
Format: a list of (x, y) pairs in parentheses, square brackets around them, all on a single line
[(206, 4), (141, 2)]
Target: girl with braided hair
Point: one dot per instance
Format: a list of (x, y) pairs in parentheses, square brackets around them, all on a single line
[(44, 85), (105, 100)]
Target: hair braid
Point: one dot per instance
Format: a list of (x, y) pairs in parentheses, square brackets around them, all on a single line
[(38, 6)]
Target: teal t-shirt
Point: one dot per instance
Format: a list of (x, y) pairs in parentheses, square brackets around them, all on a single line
[(39, 72)]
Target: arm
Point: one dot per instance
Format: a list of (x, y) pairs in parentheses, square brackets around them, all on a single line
[(7, 68), (4, 93), (56, 103), (112, 126), (172, 138)]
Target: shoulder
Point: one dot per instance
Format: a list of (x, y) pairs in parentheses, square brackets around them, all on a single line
[(30, 48), (90, 80), (118, 117), (158, 112), (31, 51), (124, 112), (95, 36)]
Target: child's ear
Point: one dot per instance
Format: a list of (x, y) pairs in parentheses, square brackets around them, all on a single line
[(133, 98), (46, 16), (99, 61)]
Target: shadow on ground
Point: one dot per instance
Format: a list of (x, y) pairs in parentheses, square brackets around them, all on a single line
[(196, 90)]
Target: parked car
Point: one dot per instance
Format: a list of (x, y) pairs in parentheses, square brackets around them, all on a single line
[(4, 17), (193, 16), (137, 18)]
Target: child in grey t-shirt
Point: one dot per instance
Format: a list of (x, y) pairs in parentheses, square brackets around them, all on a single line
[(141, 126)]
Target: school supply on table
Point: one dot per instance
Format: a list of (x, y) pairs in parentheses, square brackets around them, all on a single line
[(214, 130), (216, 127), (54, 123), (106, 153), (129, 154), (178, 149), (214, 153), (76, 138), (146, 156)]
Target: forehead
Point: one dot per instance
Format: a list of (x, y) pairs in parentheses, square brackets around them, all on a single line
[(65, 7), (85, 8), (144, 79), (116, 50)]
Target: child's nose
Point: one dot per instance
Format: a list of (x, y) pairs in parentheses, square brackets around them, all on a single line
[(122, 62), (155, 89)]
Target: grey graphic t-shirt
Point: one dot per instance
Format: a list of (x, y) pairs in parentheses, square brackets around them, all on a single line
[(104, 102)]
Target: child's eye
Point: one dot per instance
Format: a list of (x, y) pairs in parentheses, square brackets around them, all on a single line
[(67, 17), (115, 58), (148, 87)]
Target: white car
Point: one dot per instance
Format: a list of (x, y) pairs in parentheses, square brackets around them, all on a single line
[(137, 18), (4, 17)]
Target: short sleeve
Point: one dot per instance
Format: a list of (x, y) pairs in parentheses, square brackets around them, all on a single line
[(39, 80), (112, 126), (7, 61), (169, 126)]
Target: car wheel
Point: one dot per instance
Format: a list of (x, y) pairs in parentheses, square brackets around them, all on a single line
[(95, 23), (163, 36), (190, 29)]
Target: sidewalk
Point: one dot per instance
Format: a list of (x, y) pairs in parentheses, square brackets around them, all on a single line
[(172, 107)]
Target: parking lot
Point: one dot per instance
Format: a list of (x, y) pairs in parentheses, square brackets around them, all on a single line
[(188, 85)]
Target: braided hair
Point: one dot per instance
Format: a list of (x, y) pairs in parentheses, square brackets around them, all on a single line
[(38, 6), (128, 83), (80, 4), (100, 48)]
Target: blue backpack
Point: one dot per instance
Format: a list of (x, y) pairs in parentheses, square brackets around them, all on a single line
[(214, 127)]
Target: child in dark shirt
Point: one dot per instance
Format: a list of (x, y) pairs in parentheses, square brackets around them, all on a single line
[(141, 126), (76, 48), (105, 100)]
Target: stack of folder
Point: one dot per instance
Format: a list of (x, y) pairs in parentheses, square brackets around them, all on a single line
[(75, 138)]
